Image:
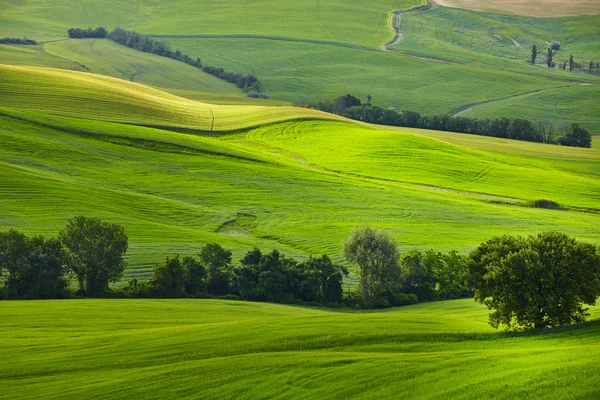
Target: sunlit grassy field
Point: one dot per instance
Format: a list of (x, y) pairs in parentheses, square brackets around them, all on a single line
[(277, 181), (312, 50), (154, 349)]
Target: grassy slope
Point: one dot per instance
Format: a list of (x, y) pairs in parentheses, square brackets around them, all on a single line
[(405, 158), (325, 49), (154, 349), (359, 22), (392, 79), (93, 96), (272, 186), (108, 58)]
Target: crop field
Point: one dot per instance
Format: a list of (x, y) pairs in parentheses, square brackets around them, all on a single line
[(539, 8), (181, 159), (361, 22), (313, 50), (265, 185), (154, 349)]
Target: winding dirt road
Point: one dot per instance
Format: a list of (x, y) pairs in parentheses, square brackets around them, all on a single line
[(395, 22)]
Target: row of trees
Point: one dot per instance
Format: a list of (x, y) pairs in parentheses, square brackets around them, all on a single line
[(388, 279), (84, 33), (268, 277), (529, 283), (23, 41), (134, 40), (549, 59), (516, 129)]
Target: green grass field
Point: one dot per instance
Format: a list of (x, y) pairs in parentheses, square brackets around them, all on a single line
[(154, 349), (312, 50), (181, 159), (298, 186)]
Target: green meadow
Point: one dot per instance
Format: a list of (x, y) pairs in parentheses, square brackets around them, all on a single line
[(154, 349), (313, 50), (180, 159), (273, 177)]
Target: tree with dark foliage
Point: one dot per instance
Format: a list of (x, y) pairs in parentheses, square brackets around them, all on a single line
[(97, 251), (535, 282)]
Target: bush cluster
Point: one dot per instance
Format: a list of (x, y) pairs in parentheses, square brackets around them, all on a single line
[(23, 41), (517, 129), (79, 33)]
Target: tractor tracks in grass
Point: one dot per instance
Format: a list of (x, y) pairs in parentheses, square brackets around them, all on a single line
[(395, 21)]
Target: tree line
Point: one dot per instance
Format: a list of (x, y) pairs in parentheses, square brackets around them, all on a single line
[(526, 282), (249, 83), (517, 129), (550, 61), (23, 41)]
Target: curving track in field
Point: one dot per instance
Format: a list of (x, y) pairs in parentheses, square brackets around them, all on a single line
[(395, 21)]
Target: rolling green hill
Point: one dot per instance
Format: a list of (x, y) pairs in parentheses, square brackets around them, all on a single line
[(278, 181), (94, 96), (361, 22), (312, 50), (154, 349)]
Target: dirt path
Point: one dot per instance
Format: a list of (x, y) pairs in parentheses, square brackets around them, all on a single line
[(469, 108), (395, 21)]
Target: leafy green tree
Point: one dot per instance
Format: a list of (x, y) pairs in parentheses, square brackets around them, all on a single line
[(35, 266), (533, 53), (195, 276), (576, 136), (15, 248), (169, 278), (535, 282), (417, 273), (97, 251), (376, 254), (451, 276), (217, 262), (43, 277), (343, 102)]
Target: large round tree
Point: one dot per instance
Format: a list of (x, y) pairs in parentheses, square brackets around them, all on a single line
[(535, 282), (97, 251)]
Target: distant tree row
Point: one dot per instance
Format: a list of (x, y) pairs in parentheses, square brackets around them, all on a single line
[(516, 129), (83, 33), (134, 40), (23, 41), (549, 59)]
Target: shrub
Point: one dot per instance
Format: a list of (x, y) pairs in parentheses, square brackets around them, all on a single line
[(544, 203)]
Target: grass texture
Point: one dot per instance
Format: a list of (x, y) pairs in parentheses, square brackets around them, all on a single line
[(152, 349), (278, 181)]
